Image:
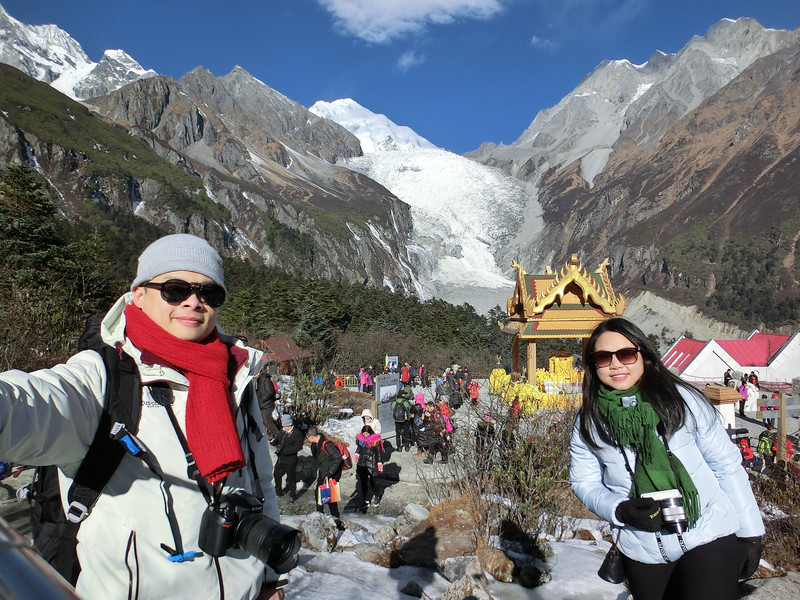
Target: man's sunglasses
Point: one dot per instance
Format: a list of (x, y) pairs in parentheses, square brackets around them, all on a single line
[(177, 290), (626, 356)]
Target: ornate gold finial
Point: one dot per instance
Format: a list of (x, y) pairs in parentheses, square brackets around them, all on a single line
[(602, 266)]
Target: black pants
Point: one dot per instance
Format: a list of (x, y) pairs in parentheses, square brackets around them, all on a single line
[(708, 572), (403, 435), (367, 484), (439, 445), (286, 466)]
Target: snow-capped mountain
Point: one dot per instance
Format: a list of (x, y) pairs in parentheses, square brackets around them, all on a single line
[(50, 54), (376, 132), (461, 210), (620, 103)]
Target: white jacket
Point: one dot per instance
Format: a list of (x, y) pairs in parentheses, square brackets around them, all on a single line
[(50, 417), (601, 481), (375, 424)]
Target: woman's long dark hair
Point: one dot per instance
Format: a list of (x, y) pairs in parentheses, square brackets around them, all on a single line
[(658, 385)]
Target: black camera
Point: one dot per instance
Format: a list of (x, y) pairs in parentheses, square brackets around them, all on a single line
[(237, 522), (672, 513)]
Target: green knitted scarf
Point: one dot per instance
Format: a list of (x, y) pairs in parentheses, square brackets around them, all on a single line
[(633, 422)]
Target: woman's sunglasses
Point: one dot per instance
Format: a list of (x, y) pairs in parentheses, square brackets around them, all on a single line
[(626, 356), (177, 290)]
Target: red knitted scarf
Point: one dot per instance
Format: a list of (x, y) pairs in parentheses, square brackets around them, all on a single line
[(210, 430)]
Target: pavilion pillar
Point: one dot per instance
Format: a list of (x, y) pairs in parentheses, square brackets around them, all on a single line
[(515, 354), (531, 361)]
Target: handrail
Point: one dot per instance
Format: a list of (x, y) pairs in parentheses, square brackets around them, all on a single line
[(24, 574)]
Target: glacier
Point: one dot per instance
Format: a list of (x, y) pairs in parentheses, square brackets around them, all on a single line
[(463, 212)]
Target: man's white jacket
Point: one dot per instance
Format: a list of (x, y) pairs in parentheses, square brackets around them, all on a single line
[(49, 417)]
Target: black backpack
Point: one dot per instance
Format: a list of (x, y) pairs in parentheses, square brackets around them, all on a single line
[(54, 535), (399, 411), (267, 391)]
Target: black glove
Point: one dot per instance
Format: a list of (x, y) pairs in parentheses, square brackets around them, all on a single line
[(640, 513), (752, 556)]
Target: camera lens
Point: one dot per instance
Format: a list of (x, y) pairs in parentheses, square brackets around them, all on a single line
[(674, 516), (271, 542)]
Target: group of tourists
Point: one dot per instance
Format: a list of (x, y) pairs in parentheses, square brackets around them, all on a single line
[(424, 424), (747, 387), (366, 379), (761, 458), (457, 386), (410, 375)]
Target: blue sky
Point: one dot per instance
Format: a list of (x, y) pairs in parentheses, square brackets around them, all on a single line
[(459, 72)]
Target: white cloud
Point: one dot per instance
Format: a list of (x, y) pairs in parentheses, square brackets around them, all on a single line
[(542, 43), (381, 21), (409, 59)]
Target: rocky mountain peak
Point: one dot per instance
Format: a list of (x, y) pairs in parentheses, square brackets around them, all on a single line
[(44, 52), (256, 114), (260, 167), (742, 41), (692, 189), (50, 54)]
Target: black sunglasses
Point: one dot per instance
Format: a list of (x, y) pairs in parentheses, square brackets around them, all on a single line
[(626, 356), (177, 290)]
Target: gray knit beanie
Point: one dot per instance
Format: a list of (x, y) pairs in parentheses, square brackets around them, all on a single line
[(179, 252)]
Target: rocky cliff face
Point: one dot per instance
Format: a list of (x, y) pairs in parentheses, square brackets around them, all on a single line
[(262, 179), (682, 171), (643, 101), (261, 155)]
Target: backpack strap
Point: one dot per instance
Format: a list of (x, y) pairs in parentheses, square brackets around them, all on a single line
[(327, 441), (123, 406)]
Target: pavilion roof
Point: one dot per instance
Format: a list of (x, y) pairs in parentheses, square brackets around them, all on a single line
[(568, 303)]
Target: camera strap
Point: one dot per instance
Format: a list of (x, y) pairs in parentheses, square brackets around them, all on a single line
[(636, 490), (162, 394)]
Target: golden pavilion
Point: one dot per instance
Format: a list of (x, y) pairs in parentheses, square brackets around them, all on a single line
[(565, 304)]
